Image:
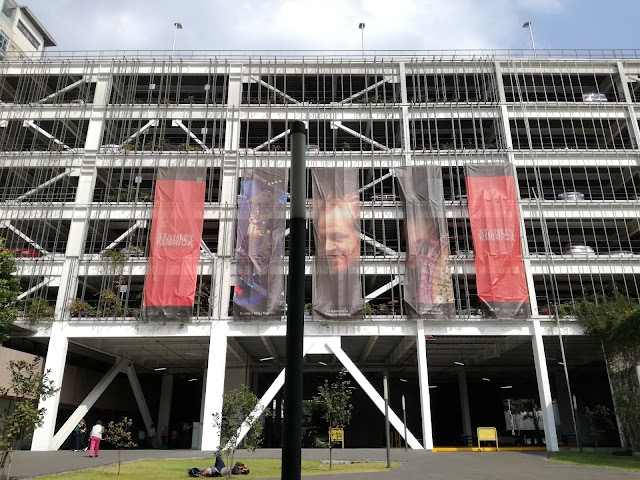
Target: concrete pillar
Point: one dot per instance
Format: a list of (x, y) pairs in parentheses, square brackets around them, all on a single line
[(55, 362), (464, 403), (562, 400), (142, 406), (544, 389), (423, 381), (166, 395), (214, 389)]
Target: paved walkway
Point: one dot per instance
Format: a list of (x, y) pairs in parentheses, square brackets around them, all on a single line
[(417, 465)]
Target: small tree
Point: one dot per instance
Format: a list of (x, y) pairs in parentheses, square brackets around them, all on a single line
[(599, 418), (29, 386), (38, 311), (237, 406), (628, 407), (119, 435), (9, 291), (334, 400)]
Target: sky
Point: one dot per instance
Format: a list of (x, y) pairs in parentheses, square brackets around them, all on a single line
[(333, 24)]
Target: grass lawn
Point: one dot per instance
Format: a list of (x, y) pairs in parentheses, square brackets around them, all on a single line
[(177, 469), (604, 460)]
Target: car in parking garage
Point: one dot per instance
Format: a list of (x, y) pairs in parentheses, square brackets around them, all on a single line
[(570, 196), (577, 250)]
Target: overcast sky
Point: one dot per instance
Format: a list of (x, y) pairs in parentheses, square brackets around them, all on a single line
[(333, 24)]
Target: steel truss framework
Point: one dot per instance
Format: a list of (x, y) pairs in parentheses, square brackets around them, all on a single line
[(82, 142)]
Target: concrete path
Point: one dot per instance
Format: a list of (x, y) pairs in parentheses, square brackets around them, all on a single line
[(417, 465)]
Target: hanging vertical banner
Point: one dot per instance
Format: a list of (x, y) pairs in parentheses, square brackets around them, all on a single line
[(259, 286), (336, 228), (176, 233), (428, 290), (495, 229)]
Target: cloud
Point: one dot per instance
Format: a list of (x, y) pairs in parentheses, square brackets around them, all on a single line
[(291, 25)]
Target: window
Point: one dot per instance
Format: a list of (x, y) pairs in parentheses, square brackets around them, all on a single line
[(25, 31), (8, 8), (4, 43)]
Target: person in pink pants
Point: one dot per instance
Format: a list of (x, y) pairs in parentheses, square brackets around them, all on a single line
[(96, 436)]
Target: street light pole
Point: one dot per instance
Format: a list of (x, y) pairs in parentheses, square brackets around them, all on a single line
[(361, 27), (529, 25), (176, 26)]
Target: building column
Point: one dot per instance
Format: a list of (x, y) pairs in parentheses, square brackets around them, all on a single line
[(54, 364), (544, 389), (464, 403), (562, 400), (166, 395), (214, 386), (423, 381)]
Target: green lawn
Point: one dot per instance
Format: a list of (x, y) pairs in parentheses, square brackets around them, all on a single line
[(604, 460), (177, 469)]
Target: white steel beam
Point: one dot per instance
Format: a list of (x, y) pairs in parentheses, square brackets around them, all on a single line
[(274, 89), (142, 404), (384, 288), (87, 403), (66, 173), (266, 341), (63, 90), (400, 350), (23, 236), (28, 292), (423, 380), (236, 350), (191, 134), (138, 224), (37, 129), (373, 395), (378, 245), (544, 390), (359, 135), (271, 140), (376, 181), (216, 367), (362, 92), (204, 249), (144, 128)]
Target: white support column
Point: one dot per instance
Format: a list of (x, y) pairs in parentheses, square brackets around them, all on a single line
[(464, 403), (406, 136), (54, 364), (373, 394), (423, 378), (84, 407), (216, 367), (166, 395), (142, 404), (542, 375), (632, 121)]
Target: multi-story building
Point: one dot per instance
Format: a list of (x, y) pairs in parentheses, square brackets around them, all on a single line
[(21, 33), (83, 143)]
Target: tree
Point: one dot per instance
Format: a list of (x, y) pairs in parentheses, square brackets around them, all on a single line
[(599, 418), (628, 407), (119, 435), (29, 386), (9, 291), (334, 399), (237, 408)]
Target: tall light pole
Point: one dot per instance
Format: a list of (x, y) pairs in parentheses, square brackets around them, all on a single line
[(176, 26), (533, 44), (361, 27)]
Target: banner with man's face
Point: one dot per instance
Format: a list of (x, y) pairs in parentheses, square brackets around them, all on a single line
[(495, 228), (428, 291), (336, 228), (176, 233), (259, 285)]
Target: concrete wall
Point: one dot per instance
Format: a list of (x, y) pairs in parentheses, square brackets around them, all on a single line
[(7, 355)]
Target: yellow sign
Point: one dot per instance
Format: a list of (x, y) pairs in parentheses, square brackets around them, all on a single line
[(487, 434), (336, 435)]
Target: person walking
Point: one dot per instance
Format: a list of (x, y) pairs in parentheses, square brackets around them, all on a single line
[(78, 436), (96, 436), (83, 435)]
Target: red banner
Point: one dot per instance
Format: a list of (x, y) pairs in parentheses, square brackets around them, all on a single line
[(176, 233), (495, 228)]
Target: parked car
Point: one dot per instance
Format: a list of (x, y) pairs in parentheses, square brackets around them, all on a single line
[(25, 252), (570, 196), (621, 253), (311, 148), (77, 101), (464, 253), (594, 97), (384, 197), (578, 250)]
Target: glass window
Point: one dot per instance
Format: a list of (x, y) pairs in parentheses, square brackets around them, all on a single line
[(4, 43), (8, 7), (25, 31)]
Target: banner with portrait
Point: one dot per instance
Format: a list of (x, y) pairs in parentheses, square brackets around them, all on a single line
[(495, 229), (428, 290), (176, 233), (336, 228), (259, 285)]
